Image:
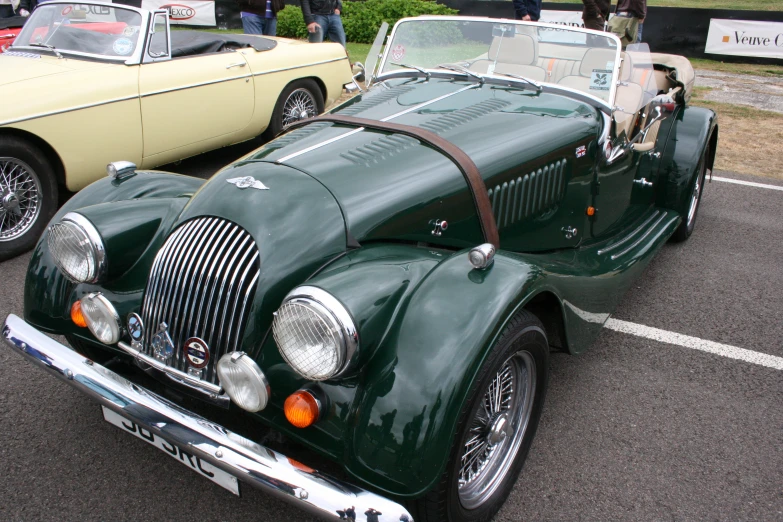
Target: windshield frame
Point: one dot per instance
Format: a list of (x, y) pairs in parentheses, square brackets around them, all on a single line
[(133, 59), (548, 87)]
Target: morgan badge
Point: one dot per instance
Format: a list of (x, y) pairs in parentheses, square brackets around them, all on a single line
[(248, 182)]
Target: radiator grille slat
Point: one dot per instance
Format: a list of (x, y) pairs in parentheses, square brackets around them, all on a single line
[(530, 195), (200, 285)]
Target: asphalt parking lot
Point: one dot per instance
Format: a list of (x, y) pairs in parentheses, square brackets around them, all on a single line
[(633, 429)]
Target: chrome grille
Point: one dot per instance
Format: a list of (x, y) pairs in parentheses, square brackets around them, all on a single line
[(202, 284)]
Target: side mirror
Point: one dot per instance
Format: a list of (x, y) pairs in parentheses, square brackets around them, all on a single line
[(359, 76)]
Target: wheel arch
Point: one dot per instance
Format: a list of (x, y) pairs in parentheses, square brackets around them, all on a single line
[(51, 155), (693, 130), (413, 387), (548, 307)]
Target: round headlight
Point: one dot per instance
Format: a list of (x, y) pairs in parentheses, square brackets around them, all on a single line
[(77, 248), (315, 333), (243, 380), (101, 318)]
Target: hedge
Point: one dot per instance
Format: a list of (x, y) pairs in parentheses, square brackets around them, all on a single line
[(362, 20)]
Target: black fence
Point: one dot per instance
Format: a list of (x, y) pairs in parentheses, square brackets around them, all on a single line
[(674, 30)]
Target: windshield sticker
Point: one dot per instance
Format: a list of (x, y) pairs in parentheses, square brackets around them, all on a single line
[(599, 80), (128, 31), (67, 9), (398, 53), (123, 46)]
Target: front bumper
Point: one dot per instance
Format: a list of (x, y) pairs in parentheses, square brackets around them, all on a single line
[(250, 462)]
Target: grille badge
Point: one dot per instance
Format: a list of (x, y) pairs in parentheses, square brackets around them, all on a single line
[(162, 344), (196, 352), (135, 329)]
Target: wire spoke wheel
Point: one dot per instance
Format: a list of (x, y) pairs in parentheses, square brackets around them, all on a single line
[(497, 430), (20, 198), (299, 105), (695, 200)]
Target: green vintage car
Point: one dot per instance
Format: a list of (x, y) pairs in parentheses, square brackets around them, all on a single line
[(382, 284)]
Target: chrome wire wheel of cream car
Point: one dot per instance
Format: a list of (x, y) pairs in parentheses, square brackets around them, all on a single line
[(300, 100), (28, 195), (496, 427), (299, 105)]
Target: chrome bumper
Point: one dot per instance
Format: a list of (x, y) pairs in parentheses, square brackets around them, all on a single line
[(252, 463)]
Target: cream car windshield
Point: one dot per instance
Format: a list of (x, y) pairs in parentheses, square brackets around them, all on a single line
[(95, 30), (563, 56)]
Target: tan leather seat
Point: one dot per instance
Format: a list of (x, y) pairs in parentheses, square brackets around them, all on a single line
[(516, 55), (595, 59)]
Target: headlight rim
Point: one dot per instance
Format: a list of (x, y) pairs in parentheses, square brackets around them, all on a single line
[(96, 245), (340, 317)]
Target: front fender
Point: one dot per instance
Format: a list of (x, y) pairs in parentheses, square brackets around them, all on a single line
[(685, 144), (408, 411)]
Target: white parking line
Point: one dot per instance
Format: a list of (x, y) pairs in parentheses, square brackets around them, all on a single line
[(749, 183), (725, 350)]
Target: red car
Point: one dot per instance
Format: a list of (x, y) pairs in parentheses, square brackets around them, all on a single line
[(9, 30)]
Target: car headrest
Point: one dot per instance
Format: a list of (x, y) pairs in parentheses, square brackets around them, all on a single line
[(596, 59), (521, 49)]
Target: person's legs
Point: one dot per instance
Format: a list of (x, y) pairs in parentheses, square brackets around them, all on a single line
[(6, 11), (270, 27), (336, 32), (639, 34), (252, 24), (594, 23), (318, 35)]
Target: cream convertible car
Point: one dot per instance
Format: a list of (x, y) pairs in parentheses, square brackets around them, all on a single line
[(91, 83)]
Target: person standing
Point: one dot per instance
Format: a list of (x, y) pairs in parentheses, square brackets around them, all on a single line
[(596, 13), (528, 10), (259, 16), (322, 18), (627, 20)]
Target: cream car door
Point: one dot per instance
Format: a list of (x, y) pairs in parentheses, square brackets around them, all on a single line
[(193, 103)]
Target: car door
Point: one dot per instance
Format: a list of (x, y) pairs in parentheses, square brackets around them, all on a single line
[(192, 103)]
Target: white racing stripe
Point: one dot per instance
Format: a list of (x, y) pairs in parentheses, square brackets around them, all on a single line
[(748, 183), (724, 350)]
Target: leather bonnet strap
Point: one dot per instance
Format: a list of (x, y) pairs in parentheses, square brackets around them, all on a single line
[(478, 188)]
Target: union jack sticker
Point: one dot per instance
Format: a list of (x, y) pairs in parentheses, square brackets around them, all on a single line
[(581, 151)]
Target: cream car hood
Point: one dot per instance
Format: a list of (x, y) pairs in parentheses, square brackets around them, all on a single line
[(18, 68), (41, 86)]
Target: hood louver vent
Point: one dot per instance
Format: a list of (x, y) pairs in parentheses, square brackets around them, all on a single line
[(462, 116), (530, 195), (373, 98)]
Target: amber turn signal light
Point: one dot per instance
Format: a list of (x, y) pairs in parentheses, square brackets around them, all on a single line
[(301, 409), (591, 211), (76, 315)]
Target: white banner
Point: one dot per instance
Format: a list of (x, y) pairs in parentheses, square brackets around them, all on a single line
[(566, 18), (570, 18), (186, 12), (745, 38)]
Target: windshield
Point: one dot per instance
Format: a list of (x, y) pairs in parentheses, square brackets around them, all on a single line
[(575, 58), (96, 30)]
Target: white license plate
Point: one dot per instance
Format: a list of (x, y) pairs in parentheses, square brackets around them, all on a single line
[(205, 469)]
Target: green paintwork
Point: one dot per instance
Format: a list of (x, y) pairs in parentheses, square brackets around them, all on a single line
[(426, 319)]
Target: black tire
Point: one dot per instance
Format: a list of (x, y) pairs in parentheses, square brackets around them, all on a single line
[(523, 338), (306, 88), (28, 195), (90, 351), (685, 229)]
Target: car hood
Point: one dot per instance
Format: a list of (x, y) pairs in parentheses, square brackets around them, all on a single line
[(393, 187), (21, 68), (41, 86)]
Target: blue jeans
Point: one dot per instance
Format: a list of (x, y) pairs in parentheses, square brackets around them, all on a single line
[(331, 26), (254, 24)]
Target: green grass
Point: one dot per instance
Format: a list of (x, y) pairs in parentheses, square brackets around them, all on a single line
[(752, 5), (775, 71), (357, 52)]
